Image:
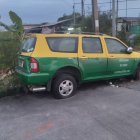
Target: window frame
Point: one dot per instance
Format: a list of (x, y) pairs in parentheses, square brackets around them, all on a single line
[(76, 44), (119, 42), (102, 51)]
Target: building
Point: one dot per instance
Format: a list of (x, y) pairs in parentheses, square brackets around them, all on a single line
[(48, 27), (129, 24)]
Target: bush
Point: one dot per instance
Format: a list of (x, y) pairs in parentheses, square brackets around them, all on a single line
[(9, 46), (8, 51), (137, 43)]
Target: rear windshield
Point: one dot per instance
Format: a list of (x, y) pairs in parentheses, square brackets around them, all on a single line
[(28, 45), (63, 44)]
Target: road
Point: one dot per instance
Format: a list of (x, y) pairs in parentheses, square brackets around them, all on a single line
[(97, 112)]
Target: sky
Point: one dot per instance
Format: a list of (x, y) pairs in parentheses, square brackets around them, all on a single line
[(38, 11)]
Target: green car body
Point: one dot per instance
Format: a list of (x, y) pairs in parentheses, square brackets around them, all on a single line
[(85, 57)]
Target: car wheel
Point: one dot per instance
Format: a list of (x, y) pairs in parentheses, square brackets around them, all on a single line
[(64, 86), (137, 74)]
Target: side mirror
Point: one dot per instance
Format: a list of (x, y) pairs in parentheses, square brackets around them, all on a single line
[(129, 50)]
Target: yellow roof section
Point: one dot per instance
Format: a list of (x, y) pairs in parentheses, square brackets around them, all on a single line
[(70, 35)]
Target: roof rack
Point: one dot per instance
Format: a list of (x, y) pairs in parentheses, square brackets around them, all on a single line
[(65, 32), (59, 32), (88, 33), (92, 33)]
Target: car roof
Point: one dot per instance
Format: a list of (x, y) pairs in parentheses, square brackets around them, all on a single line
[(70, 35)]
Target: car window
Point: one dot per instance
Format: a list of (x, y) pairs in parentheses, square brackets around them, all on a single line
[(63, 44), (92, 45), (114, 46), (28, 45)]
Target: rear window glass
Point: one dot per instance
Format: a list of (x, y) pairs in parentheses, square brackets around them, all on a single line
[(63, 44), (28, 45)]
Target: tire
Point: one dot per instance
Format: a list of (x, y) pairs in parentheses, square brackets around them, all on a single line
[(64, 86), (137, 74)]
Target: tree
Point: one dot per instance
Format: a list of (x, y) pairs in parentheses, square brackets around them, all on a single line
[(17, 27), (105, 23), (86, 24), (71, 16), (10, 41)]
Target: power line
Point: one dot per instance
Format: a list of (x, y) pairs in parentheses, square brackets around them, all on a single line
[(78, 3), (109, 3), (130, 9), (113, 18), (82, 8)]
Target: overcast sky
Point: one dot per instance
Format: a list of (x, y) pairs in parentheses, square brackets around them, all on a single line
[(38, 11)]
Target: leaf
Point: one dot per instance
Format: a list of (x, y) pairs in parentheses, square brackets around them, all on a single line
[(15, 18), (17, 21), (6, 27)]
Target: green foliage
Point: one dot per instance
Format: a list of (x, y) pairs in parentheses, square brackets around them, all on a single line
[(5, 26), (137, 40), (10, 41), (122, 35), (137, 43), (105, 23), (17, 27), (86, 24), (9, 46), (10, 85), (64, 17), (17, 23)]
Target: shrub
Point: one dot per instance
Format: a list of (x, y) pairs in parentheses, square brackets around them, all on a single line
[(9, 46)]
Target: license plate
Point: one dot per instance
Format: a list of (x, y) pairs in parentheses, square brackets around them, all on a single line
[(21, 63)]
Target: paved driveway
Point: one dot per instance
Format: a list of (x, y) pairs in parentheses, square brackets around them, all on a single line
[(97, 112)]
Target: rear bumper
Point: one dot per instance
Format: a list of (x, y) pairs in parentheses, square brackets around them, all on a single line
[(33, 78)]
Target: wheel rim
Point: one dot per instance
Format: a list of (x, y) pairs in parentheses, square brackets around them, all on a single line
[(66, 88)]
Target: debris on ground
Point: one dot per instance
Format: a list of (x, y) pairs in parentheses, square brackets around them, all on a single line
[(119, 82), (132, 81), (113, 84)]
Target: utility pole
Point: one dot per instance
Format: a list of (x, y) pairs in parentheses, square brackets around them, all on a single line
[(117, 14), (126, 7), (117, 8), (82, 8), (74, 19), (110, 5), (113, 18), (95, 16)]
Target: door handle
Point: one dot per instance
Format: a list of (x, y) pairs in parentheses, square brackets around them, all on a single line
[(83, 57)]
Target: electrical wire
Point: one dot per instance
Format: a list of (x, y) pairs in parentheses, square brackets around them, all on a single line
[(110, 6)]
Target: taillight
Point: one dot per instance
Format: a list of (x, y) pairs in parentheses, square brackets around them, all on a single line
[(34, 65)]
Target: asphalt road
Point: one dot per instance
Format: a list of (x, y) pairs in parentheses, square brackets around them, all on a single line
[(97, 112)]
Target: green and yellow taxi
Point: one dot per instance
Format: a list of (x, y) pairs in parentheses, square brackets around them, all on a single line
[(60, 62)]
